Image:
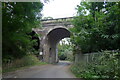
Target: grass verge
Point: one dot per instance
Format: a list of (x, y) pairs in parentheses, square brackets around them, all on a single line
[(104, 67), (25, 62)]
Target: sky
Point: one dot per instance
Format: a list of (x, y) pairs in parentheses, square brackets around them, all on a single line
[(65, 41), (60, 8)]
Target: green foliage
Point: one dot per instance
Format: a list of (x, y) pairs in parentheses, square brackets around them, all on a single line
[(28, 60), (61, 51), (65, 52), (105, 66), (96, 27), (18, 19)]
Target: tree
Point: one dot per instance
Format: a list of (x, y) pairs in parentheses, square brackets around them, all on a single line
[(93, 32), (65, 51), (96, 27), (18, 19)]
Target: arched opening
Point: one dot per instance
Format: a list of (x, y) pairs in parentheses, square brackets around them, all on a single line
[(53, 38), (36, 44)]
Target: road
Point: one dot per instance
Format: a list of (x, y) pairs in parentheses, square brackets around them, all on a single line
[(59, 70)]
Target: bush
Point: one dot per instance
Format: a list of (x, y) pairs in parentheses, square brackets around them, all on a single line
[(62, 57), (28, 60), (104, 66)]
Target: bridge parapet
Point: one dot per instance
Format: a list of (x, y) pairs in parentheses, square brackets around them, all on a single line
[(57, 22)]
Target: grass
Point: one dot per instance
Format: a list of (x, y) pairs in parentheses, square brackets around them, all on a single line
[(25, 62), (22, 67)]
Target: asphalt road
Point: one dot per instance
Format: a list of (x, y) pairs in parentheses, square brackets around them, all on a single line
[(60, 70)]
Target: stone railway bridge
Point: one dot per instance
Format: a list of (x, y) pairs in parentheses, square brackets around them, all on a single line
[(52, 31)]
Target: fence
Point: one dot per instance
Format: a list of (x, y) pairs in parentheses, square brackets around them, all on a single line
[(90, 57)]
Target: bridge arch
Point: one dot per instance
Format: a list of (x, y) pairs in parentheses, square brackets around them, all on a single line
[(52, 39), (57, 34)]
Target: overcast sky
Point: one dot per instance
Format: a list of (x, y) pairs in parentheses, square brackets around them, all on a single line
[(60, 8)]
